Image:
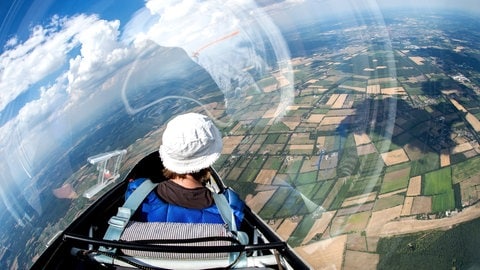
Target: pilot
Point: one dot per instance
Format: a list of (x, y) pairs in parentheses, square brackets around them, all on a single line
[(191, 143)]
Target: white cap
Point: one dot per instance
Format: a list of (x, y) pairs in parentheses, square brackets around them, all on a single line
[(191, 142)]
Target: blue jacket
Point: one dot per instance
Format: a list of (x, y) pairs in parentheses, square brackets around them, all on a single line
[(154, 209)]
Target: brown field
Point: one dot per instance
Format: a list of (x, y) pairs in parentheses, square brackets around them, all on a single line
[(470, 190), (470, 154), (301, 147), (354, 223), (257, 202), (381, 80), (270, 113), (230, 143), (360, 260), (421, 205), (334, 120), (319, 226), (292, 108), (394, 157), (315, 118), (360, 199), (321, 140), (341, 112), (451, 91), (373, 89), (281, 79), (385, 195), (366, 149), (287, 227), (417, 59), (461, 148), (361, 138), (265, 177), (270, 88), (458, 105), (330, 163), (332, 99), (394, 91), (339, 102), (407, 206), (359, 89), (326, 254), (380, 218), (444, 158), (309, 164), (414, 225), (243, 148), (356, 242), (254, 148), (392, 176), (355, 209), (300, 138), (317, 89), (414, 186)]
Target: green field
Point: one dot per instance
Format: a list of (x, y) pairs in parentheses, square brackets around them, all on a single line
[(370, 164), (390, 185), (364, 185), (388, 202), (301, 231), (438, 182), (323, 191), (273, 163), (466, 169), (443, 202), (309, 190), (278, 127), (306, 178), (428, 162), (453, 249), (271, 208), (341, 195)]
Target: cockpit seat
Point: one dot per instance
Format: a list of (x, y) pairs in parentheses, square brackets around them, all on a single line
[(205, 234)]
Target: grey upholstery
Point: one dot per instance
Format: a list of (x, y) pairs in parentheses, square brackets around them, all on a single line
[(167, 230)]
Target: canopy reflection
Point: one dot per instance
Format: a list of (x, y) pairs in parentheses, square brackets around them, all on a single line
[(347, 125)]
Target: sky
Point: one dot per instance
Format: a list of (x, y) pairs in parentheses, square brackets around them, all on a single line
[(59, 57), (59, 71)]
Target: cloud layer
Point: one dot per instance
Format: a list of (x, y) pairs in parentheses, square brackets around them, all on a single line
[(73, 63)]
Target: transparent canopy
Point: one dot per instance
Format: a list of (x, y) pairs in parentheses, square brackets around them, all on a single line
[(351, 127)]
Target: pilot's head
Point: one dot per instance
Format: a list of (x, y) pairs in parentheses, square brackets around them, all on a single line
[(191, 143)]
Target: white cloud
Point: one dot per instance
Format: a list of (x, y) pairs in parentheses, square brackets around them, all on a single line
[(100, 54), (43, 61), (76, 61), (229, 39)]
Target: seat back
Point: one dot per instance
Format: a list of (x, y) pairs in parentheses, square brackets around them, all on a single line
[(144, 231)]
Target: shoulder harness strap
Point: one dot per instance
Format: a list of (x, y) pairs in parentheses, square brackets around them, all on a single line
[(117, 223), (229, 218)]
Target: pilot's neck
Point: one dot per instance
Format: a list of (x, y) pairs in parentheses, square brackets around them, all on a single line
[(187, 182)]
